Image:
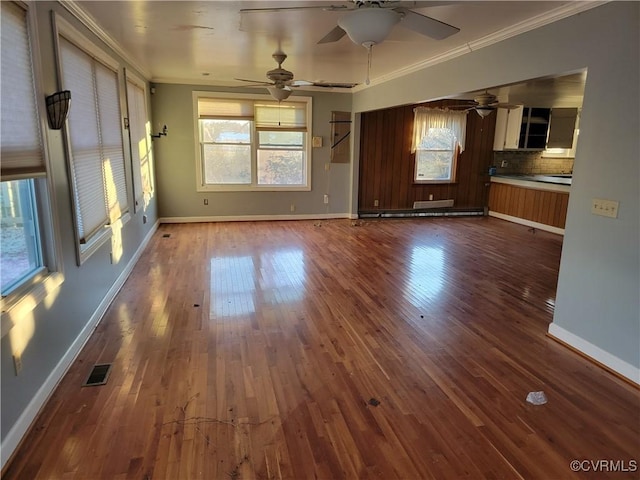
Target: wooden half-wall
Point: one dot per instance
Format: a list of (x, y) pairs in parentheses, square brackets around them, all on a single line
[(387, 164)]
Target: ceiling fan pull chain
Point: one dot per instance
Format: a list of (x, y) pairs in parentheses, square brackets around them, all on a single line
[(369, 55)]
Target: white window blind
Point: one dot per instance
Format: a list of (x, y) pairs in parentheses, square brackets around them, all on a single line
[(97, 159), (224, 108), (140, 143), (288, 116), (21, 145), (111, 137)]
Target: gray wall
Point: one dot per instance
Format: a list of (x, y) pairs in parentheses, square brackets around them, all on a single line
[(56, 323), (597, 297), (176, 164)]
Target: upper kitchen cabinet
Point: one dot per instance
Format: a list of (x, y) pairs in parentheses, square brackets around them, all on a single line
[(534, 128), (521, 128), (508, 123), (562, 127), (531, 128)]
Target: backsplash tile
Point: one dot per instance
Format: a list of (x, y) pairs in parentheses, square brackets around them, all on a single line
[(529, 163)]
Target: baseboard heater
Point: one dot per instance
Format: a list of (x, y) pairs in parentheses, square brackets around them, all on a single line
[(421, 205), (436, 212)]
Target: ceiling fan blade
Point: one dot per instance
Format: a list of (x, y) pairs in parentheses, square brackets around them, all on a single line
[(333, 36), (256, 82), (334, 85), (284, 9), (424, 25), (300, 83)]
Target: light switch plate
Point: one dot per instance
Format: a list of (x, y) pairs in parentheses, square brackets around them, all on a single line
[(605, 208)]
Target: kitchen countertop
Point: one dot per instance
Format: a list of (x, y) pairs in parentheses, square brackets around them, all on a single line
[(553, 182)]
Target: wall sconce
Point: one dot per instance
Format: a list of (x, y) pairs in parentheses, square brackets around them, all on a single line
[(163, 133), (58, 108)]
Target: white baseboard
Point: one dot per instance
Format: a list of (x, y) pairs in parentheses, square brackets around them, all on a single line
[(527, 223), (254, 218), (599, 355), (29, 414)]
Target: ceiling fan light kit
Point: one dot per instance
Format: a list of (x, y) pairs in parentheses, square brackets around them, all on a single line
[(484, 111), (368, 26), (279, 93)]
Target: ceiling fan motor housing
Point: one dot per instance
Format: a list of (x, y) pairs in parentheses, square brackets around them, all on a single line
[(279, 74)]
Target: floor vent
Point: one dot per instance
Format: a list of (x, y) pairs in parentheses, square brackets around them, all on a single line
[(99, 375), (166, 235)]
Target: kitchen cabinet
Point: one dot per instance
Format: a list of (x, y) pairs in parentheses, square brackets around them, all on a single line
[(534, 128), (508, 123), (562, 127)]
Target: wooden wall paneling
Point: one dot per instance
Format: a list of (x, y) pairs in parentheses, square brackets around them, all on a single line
[(407, 160), (394, 157), (387, 165), (541, 206)]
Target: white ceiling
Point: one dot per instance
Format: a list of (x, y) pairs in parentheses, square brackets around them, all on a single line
[(210, 42)]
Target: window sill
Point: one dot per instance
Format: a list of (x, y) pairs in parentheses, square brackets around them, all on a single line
[(435, 182), (22, 302)]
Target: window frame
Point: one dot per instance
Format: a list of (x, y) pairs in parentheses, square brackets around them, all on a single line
[(62, 28), (140, 201), (24, 297), (428, 118), (455, 154), (201, 186)]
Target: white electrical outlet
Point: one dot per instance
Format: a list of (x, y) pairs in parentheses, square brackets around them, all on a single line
[(605, 208), (376, 203), (326, 199)]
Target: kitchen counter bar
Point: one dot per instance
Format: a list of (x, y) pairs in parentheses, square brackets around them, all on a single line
[(536, 182)]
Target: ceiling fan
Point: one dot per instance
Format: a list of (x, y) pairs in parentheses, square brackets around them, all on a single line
[(281, 80), (484, 104), (369, 22)]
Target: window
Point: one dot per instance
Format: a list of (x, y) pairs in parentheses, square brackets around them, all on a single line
[(28, 255), (140, 137), (438, 139), (96, 153), (252, 143)]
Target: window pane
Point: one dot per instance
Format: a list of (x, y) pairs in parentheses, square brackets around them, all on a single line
[(281, 139), (225, 131), (20, 240), (433, 165), (438, 139), (281, 167), (227, 164)]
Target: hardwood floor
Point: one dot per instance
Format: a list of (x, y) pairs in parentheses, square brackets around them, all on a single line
[(261, 350)]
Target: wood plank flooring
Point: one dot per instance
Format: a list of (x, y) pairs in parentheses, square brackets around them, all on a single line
[(335, 350)]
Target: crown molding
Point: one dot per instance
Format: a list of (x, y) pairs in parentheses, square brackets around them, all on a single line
[(564, 11), (89, 22)]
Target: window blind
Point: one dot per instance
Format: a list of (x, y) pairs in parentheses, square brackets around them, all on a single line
[(84, 136), (221, 108), (287, 116), (97, 157), (111, 140), (21, 144)]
